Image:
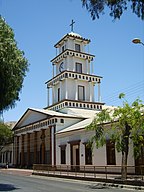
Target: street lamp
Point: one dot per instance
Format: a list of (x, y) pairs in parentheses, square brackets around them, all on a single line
[(137, 41)]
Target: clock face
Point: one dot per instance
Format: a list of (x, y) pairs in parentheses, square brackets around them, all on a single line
[(61, 67)]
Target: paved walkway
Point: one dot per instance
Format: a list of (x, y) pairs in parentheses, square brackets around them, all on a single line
[(12, 171)]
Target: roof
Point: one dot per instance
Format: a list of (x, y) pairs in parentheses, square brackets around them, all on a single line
[(88, 114), (44, 112), (77, 126), (74, 34), (85, 113), (71, 35)]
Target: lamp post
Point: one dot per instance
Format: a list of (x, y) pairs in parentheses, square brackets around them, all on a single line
[(137, 41)]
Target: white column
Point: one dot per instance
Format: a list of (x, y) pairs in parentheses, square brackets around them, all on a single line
[(88, 48), (53, 95), (99, 94), (90, 91), (87, 67), (94, 93), (67, 67), (92, 68), (66, 64), (73, 64), (52, 137), (73, 44), (76, 90), (82, 154), (48, 96), (14, 151), (66, 91), (53, 70), (68, 152), (56, 51), (67, 44), (60, 90)]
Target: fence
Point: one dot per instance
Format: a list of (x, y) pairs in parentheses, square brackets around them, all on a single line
[(89, 171)]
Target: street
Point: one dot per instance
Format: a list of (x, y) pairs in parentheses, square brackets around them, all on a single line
[(22, 183)]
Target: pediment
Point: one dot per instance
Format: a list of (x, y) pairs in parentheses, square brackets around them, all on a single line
[(29, 117)]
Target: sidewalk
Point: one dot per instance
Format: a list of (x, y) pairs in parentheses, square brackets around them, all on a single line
[(14, 171)]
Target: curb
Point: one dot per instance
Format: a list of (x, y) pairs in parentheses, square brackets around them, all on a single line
[(122, 186), (99, 182)]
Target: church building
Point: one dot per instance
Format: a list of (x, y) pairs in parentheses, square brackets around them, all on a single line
[(56, 135)]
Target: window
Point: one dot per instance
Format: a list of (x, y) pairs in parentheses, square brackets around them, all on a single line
[(88, 155), (58, 94), (78, 67), (63, 48), (81, 91), (63, 154), (110, 150), (61, 120), (77, 47)]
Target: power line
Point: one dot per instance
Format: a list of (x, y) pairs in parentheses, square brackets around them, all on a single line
[(136, 90)]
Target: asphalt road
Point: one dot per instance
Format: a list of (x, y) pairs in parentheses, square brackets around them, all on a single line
[(21, 183)]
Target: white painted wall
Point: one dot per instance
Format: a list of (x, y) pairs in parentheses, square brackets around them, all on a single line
[(71, 86), (67, 122), (99, 155)]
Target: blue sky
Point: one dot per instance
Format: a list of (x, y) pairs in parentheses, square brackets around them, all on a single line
[(39, 24)]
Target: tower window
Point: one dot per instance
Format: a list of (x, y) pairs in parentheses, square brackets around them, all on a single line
[(81, 93), (77, 47), (58, 94), (78, 67), (63, 48)]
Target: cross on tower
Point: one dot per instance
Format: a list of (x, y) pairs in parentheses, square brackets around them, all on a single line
[(72, 24)]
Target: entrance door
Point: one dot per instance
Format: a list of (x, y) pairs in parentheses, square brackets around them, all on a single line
[(42, 153), (75, 157)]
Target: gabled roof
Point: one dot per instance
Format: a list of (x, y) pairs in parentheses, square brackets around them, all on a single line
[(33, 115), (80, 125)]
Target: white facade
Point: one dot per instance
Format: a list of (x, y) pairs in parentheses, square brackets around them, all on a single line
[(98, 155), (73, 79), (56, 135)]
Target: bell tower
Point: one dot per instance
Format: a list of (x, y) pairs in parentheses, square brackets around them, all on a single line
[(73, 84)]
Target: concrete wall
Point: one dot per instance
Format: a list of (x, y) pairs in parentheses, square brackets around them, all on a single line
[(99, 155)]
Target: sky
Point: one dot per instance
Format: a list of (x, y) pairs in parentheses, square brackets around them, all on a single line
[(39, 24)]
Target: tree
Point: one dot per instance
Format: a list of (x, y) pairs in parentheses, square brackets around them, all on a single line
[(126, 124), (13, 67), (6, 135), (97, 7)]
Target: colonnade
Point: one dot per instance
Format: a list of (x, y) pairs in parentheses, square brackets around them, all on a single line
[(37, 147)]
